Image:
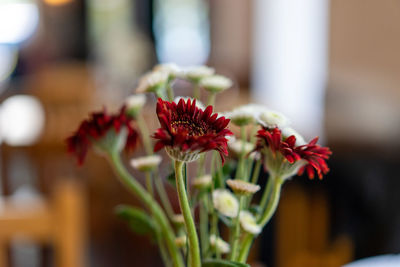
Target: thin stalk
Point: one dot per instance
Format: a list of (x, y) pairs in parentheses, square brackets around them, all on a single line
[(137, 189), (204, 239), (149, 183), (164, 253), (267, 193), (170, 92), (163, 194), (273, 203), (256, 172), (194, 250), (254, 178), (145, 135), (211, 99), (241, 168), (236, 233), (196, 91), (201, 165), (265, 217)]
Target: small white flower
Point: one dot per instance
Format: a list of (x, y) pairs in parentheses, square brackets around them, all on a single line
[(215, 83), (248, 223), (178, 219), (225, 202), (199, 104), (203, 181), (135, 103), (241, 116), (238, 147), (152, 81), (147, 163), (272, 119), (219, 244), (181, 241), (171, 68), (246, 114), (288, 131), (241, 187), (195, 73)]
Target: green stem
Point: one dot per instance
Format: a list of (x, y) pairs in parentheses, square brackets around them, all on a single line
[(265, 217), (145, 135), (204, 239), (236, 233), (254, 178), (211, 99), (266, 195), (245, 247), (196, 91), (256, 171), (137, 189), (164, 254), (194, 250), (241, 168), (170, 92), (201, 165), (273, 203), (149, 184), (163, 194)]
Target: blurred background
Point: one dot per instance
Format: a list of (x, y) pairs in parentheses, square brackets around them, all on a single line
[(332, 66)]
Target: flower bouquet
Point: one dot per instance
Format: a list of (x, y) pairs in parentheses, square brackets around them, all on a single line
[(221, 193)]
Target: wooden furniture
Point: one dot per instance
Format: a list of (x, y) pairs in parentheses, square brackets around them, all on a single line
[(302, 233), (58, 222)]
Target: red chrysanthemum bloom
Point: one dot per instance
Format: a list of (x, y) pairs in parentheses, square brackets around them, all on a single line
[(100, 129), (187, 130), (316, 157), (283, 157)]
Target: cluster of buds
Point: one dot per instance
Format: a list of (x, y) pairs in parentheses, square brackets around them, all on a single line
[(188, 129)]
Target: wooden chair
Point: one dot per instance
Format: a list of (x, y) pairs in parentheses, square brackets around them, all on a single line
[(58, 221), (303, 227)]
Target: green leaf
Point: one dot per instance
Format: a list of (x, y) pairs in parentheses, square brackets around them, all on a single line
[(171, 178), (256, 209), (138, 220), (222, 263)]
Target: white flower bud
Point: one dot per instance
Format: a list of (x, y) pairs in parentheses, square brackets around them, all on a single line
[(181, 241), (225, 202), (195, 73), (147, 163), (215, 83), (248, 223), (272, 119), (172, 69), (219, 244), (242, 188), (178, 219), (238, 147), (202, 182), (135, 103), (152, 81)]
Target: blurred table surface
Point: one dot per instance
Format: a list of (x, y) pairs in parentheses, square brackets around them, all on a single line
[(377, 261)]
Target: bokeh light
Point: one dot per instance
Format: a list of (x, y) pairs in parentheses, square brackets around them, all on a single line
[(57, 2), (8, 61), (18, 21), (22, 119)]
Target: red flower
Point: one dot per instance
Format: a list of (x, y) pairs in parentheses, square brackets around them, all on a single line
[(96, 127), (313, 154), (316, 157), (187, 130)]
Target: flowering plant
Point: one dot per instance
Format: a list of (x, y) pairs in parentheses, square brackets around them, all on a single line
[(188, 130)]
